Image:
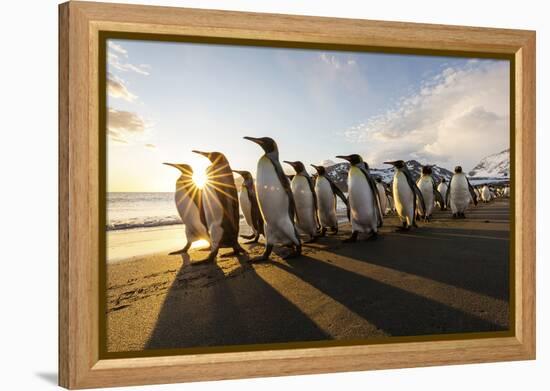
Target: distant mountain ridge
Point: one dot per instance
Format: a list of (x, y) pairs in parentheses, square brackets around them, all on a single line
[(493, 166), (339, 173)]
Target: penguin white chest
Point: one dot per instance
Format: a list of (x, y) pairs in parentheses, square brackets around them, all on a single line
[(361, 202), (485, 194), (305, 206), (326, 202), (442, 188), (382, 196), (425, 185), (246, 206), (460, 194), (274, 204), (403, 197), (190, 215)]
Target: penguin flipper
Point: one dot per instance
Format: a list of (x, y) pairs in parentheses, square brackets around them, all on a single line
[(336, 190), (448, 194), (472, 192), (285, 183)]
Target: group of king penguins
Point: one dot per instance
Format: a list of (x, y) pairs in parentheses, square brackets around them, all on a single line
[(284, 208)]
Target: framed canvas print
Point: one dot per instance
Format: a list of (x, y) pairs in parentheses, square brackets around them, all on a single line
[(247, 195)]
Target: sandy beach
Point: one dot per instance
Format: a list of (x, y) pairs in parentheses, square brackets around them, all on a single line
[(453, 278)]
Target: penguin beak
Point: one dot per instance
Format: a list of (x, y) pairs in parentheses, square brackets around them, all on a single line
[(348, 158), (181, 169), (287, 162), (241, 173), (205, 154), (392, 163), (317, 168), (253, 139)]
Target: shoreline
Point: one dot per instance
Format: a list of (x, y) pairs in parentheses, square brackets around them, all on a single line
[(453, 279)]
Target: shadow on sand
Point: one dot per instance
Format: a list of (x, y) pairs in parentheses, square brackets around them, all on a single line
[(224, 312)]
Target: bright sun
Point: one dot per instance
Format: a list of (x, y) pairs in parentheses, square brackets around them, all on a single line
[(200, 178)]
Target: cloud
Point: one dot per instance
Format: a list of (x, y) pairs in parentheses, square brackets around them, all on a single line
[(117, 58), (117, 48), (123, 126), (117, 88), (150, 146), (458, 116)]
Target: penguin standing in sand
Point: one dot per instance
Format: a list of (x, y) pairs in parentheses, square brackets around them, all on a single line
[(276, 200), (426, 184), (366, 215), (486, 194), (442, 189), (189, 206), (327, 191), (460, 193), (405, 195), (382, 195), (250, 207), (221, 206), (305, 198)]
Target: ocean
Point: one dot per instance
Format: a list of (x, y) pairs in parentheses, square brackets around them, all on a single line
[(147, 223)]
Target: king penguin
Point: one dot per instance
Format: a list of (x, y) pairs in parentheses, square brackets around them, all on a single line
[(460, 193), (189, 206), (249, 206), (275, 200), (327, 191), (366, 215), (486, 194), (431, 195), (405, 194), (221, 206), (303, 191), (442, 189), (382, 195)]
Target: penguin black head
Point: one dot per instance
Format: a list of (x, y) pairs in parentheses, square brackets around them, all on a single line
[(378, 179), (320, 169), (185, 169), (353, 159), (427, 170), (247, 176), (397, 164), (214, 157), (298, 166), (458, 169), (267, 143), (443, 180)]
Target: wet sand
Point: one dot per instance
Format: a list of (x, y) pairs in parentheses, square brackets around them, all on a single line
[(447, 276)]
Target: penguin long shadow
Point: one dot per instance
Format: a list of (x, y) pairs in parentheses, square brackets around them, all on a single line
[(391, 309), (214, 315)]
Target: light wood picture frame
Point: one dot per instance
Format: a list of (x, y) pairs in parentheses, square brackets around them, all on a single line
[(81, 25)]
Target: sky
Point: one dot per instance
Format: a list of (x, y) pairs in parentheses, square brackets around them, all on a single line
[(166, 99)]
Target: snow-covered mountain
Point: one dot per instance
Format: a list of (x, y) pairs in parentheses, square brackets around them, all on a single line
[(493, 166), (339, 172)]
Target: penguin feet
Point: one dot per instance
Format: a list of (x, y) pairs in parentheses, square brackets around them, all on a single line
[(323, 232), (254, 240), (334, 231), (296, 253), (372, 236), (182, 251), (248, 236), (403, 228), (265, 256), (352, 238), (455, 215), (312, 239)]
